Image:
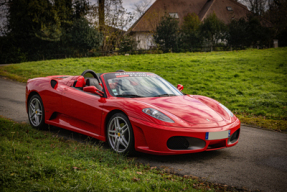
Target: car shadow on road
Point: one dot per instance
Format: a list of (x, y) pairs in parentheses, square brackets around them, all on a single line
[(200, 157), (141, 157)]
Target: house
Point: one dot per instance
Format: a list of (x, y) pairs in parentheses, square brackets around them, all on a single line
[(143, 28)]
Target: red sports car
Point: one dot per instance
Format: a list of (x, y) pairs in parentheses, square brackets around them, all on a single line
[(132, 111)]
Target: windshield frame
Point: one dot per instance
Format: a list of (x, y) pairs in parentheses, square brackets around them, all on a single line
[(113, 75)]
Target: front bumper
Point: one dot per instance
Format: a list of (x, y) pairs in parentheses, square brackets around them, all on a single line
[(162, 140)]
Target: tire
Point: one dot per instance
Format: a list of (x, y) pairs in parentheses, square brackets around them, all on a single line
[(36, 112), (120, 136)]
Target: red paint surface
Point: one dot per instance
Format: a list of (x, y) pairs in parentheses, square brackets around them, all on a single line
[(87, 113)]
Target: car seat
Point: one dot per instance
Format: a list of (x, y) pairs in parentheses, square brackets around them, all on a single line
[(93, 82)]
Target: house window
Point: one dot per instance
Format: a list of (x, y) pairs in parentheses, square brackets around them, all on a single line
[(229, 8), (173, 15)]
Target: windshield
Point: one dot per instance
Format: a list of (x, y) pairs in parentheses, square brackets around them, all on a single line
[(138, 84)]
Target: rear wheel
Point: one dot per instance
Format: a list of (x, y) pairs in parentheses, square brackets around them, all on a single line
[(36, 113), (120, 134)]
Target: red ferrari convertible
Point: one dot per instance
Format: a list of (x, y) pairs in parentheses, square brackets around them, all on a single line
[(132, 111)]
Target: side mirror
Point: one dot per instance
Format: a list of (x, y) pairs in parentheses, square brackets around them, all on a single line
[(93, 89), (180, 87)]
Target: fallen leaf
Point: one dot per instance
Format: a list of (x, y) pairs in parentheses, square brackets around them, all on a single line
[(153, 168), (140, 173), (135, 179)]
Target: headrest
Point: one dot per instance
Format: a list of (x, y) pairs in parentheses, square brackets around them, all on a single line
[(93, 82)]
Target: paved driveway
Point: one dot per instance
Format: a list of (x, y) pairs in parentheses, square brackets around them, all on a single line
[(257, 162)]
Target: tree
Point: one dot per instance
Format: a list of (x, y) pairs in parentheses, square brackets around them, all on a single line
[(84, 37), (101, 11), (277, 15), (257, 34), (248, 32), (190, 30), (237, 33), (38, 29), (81, 8), (167, 34), (127, 44), (46, 18), (116, 21), (213, 29)]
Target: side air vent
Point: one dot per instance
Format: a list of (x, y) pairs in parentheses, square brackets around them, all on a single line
[(53, 116), (53, 83), (234, 137)]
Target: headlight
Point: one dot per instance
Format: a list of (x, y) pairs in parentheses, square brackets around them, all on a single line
[(227, 110), (158, 115)]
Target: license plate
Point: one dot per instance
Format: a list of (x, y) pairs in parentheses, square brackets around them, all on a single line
[(217, 135)]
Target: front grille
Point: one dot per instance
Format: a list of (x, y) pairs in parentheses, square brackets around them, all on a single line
[(217, 145), (185, 143), (177, 143)]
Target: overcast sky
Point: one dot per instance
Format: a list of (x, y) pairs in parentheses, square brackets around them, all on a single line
[(127, 4)]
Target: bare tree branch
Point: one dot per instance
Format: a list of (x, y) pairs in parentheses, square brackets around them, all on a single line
[(141, 7), (116, 22), (258, 7), (3, 16)]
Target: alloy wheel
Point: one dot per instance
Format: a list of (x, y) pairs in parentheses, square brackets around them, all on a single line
[(35, 112), (119, 134)]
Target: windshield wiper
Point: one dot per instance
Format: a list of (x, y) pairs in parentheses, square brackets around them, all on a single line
[(165, 95), (131, 96)]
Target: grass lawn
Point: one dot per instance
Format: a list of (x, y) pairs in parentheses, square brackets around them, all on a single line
[(33, 160), (252, 83)]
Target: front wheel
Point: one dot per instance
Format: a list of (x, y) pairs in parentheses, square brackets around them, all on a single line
[(120, 134), (36, 113)]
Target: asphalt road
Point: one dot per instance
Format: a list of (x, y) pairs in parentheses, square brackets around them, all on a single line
[(257, 162), (12, 100)]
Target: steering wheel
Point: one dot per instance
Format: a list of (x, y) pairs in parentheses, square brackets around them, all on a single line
[(91, 72)]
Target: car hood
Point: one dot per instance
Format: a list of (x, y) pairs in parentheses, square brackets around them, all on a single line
[(186, 108)]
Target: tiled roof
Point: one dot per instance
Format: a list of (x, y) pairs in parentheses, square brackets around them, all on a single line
[(148, 21)]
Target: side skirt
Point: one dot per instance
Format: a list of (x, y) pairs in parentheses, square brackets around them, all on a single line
[(64, 122)]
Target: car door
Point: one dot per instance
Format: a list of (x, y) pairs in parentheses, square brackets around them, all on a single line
[(84, 108)]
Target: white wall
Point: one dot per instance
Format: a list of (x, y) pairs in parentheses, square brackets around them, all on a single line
[(144, 40)]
